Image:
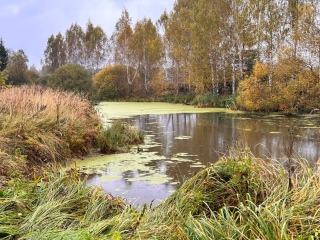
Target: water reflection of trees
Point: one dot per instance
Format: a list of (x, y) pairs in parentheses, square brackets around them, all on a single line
[(212, 132)]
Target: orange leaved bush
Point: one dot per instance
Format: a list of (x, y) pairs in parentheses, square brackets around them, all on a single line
[(289, 86)]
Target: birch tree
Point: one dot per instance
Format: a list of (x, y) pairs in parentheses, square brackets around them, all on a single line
[(74, 39), (122, 38), (95, 48), (55, 52), (147, 47)]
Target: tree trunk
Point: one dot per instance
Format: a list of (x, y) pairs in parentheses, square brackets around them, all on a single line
[(233, 76)]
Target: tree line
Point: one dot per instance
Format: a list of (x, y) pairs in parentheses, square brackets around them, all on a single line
[(265, 51), (132, 57), (14, 69)]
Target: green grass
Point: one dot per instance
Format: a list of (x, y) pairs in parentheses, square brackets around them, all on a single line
[(209, 100), (61, 207), (118, 136), (240, 197)]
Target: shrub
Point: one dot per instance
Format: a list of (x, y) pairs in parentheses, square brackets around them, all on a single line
[(294, 88), (210, 100), (71, 77), (112, 82)]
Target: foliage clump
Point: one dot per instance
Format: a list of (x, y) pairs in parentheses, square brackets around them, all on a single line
[(294, 89), (58, 206), (210, 100), (241, 197), (71, 77), (112, 82), (2, 80)]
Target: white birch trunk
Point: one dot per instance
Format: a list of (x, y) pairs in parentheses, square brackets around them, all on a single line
[(233, 75)]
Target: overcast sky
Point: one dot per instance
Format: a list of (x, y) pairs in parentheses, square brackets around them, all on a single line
[(27, 24)]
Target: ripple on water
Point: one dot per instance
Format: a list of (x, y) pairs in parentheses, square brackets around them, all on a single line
[(109, 178)]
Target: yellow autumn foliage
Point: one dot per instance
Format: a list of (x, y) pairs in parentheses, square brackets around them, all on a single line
[(294, 88), (112, 82), (260, 70), (2, 80)]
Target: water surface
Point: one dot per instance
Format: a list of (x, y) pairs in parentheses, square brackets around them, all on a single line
[(182, 140)]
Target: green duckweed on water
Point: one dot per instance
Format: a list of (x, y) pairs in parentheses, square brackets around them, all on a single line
[(156, 178), (115, 110), (139, 161), (183, 137), (179, 159), (197, 166), (184, 155), (120, 163)]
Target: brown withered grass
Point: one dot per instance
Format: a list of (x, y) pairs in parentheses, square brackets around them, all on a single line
[(42, 125)]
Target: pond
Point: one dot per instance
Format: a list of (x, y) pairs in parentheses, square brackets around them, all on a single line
[(182, 140)]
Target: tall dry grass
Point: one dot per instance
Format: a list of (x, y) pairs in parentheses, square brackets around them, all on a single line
[(42, 125)]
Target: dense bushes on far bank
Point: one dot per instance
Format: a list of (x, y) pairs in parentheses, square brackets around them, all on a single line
[(290, 87)]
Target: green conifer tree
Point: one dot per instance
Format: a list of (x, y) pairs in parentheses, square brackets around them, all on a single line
[(3, 55)]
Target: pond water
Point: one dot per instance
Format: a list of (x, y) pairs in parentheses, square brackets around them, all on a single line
[(182, 140)]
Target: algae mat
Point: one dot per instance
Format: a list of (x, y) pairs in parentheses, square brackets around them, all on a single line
[(139, 176), (118, 110)]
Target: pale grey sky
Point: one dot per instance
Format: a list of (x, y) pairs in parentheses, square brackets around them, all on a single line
[(27, 24)]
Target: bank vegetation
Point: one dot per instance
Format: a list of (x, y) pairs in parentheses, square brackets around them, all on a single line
[(40, 126), (239, 197)]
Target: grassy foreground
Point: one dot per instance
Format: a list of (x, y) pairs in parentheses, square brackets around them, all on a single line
[(240, 197)]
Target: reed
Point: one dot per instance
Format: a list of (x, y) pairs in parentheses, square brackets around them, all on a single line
[(118, 136), (210, 100)]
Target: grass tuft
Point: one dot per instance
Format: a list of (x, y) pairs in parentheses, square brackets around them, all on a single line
[(210, 100), (117, 136)]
